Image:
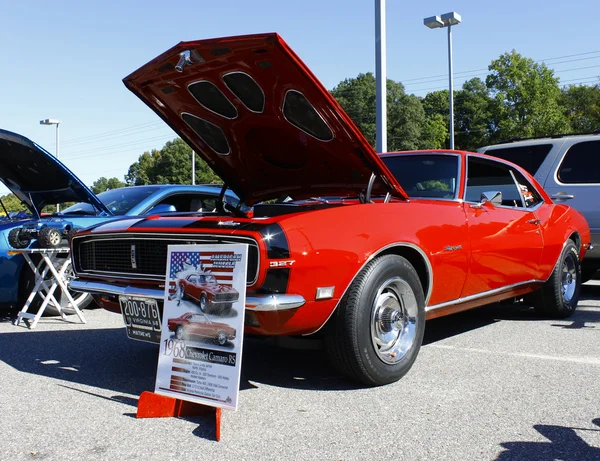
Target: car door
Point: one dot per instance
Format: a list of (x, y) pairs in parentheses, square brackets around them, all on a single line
[(575, 181), (506, 240)]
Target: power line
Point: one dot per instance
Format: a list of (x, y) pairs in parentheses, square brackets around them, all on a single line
[(109, 133)]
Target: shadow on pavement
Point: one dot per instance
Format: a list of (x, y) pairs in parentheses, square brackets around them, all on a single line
[(563, 443)]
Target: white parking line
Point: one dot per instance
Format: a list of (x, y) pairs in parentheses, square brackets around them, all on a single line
[(585, 360)]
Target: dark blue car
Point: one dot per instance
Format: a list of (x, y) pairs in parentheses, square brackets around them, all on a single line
[(38, 179)]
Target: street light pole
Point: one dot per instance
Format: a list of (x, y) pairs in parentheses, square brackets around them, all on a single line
[(380, 78), (447, 20), (53, 121)]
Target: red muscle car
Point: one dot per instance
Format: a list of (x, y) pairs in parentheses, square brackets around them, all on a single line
[(357, 247), (204, 289), (196, 325)]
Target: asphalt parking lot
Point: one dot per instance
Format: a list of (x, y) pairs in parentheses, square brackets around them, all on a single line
[(496, 383)]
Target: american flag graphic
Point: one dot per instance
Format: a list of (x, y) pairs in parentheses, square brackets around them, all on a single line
[(200, 261)]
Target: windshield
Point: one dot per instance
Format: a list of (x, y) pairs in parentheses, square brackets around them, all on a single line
[(118, 201), (425, 175)]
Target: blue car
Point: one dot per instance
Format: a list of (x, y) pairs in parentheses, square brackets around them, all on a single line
[(38, 179)]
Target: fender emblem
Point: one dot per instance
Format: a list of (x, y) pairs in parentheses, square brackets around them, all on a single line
[(287, 263), (228, 223), (133, 262), (453, 248)]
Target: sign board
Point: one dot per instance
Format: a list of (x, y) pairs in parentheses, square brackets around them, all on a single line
[(203, 324)]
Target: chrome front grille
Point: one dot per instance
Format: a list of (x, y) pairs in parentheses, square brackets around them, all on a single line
[(145, 257)]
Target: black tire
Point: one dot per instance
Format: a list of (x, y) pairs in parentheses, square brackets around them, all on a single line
[(19, 239), (203, 302), (587, 273), (181, 292), (384, 301), (179, 332), (221, 338), (27, 282), (49, 237), (558, 297)]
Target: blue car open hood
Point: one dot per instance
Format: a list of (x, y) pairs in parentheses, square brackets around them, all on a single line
[(37, 178)]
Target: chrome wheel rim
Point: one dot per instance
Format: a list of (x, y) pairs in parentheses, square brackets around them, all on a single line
[(202, 302), (222, 339), (569, 278), (394, 320)]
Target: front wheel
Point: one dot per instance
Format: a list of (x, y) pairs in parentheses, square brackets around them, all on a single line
[(221, 338), (376, 332), (19, 239), (179, 332), (203, 302), (559, 295), (49, 237)]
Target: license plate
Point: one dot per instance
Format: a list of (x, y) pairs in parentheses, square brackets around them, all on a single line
[(141, 317)]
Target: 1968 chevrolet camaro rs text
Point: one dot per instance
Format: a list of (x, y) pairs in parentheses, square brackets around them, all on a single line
[(360, 247)]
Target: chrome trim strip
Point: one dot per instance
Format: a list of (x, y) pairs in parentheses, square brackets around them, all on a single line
[(258, 303), (194, 238), (270, 303), (391, 245), (481, 295)]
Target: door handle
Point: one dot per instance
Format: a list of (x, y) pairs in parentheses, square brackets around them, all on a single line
[(563, 196), (534, 221)]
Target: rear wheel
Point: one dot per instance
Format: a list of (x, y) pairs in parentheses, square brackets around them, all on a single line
[(376, 332), (19, 239), (559, 296), (203, 302)]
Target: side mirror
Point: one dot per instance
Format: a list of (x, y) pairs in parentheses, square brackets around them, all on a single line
[(494, 197), (162, 208)]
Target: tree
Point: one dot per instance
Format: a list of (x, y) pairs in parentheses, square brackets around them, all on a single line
[(12, 203), (472, 115), (406, 123), (102, 184), (525, 97), (170, 165), (581, 106)]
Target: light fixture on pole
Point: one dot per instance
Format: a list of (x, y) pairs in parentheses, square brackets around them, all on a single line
[(447, 20), (53, 121)]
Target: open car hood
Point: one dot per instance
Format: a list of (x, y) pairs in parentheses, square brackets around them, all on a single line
[(260, 119), (37, 178)]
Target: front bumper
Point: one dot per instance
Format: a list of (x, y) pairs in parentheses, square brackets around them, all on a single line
[(257, 303)]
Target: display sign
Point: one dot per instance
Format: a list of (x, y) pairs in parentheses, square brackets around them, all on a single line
[(203, 324)]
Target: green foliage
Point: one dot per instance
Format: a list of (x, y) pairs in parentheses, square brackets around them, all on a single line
[(525, 97), (12, 203), (102, 184), (406, 118), (472, 115), (170, 165), (581, 106)]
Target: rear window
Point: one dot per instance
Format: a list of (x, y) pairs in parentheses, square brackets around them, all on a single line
[(581, 164), (528, 157), (425, 176)]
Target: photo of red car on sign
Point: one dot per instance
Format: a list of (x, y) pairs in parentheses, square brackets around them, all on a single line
[(199, 326), (204, 289)]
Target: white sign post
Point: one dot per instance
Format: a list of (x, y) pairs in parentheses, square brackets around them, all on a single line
[(203, 324)]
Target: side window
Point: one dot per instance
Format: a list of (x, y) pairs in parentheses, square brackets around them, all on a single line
[(530, 196), (489, 176), (581, 164)]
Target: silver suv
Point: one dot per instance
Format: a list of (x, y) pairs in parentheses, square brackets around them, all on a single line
[(568, 167)]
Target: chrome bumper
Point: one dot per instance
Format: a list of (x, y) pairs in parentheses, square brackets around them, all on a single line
[(258, 303)]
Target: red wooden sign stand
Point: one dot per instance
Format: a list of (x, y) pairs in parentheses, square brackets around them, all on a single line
[(151, 405)]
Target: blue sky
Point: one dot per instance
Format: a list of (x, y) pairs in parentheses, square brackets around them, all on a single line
[(66, 59)]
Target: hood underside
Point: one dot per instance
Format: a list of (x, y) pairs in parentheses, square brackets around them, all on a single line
[(37, 178), (260, 119)]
